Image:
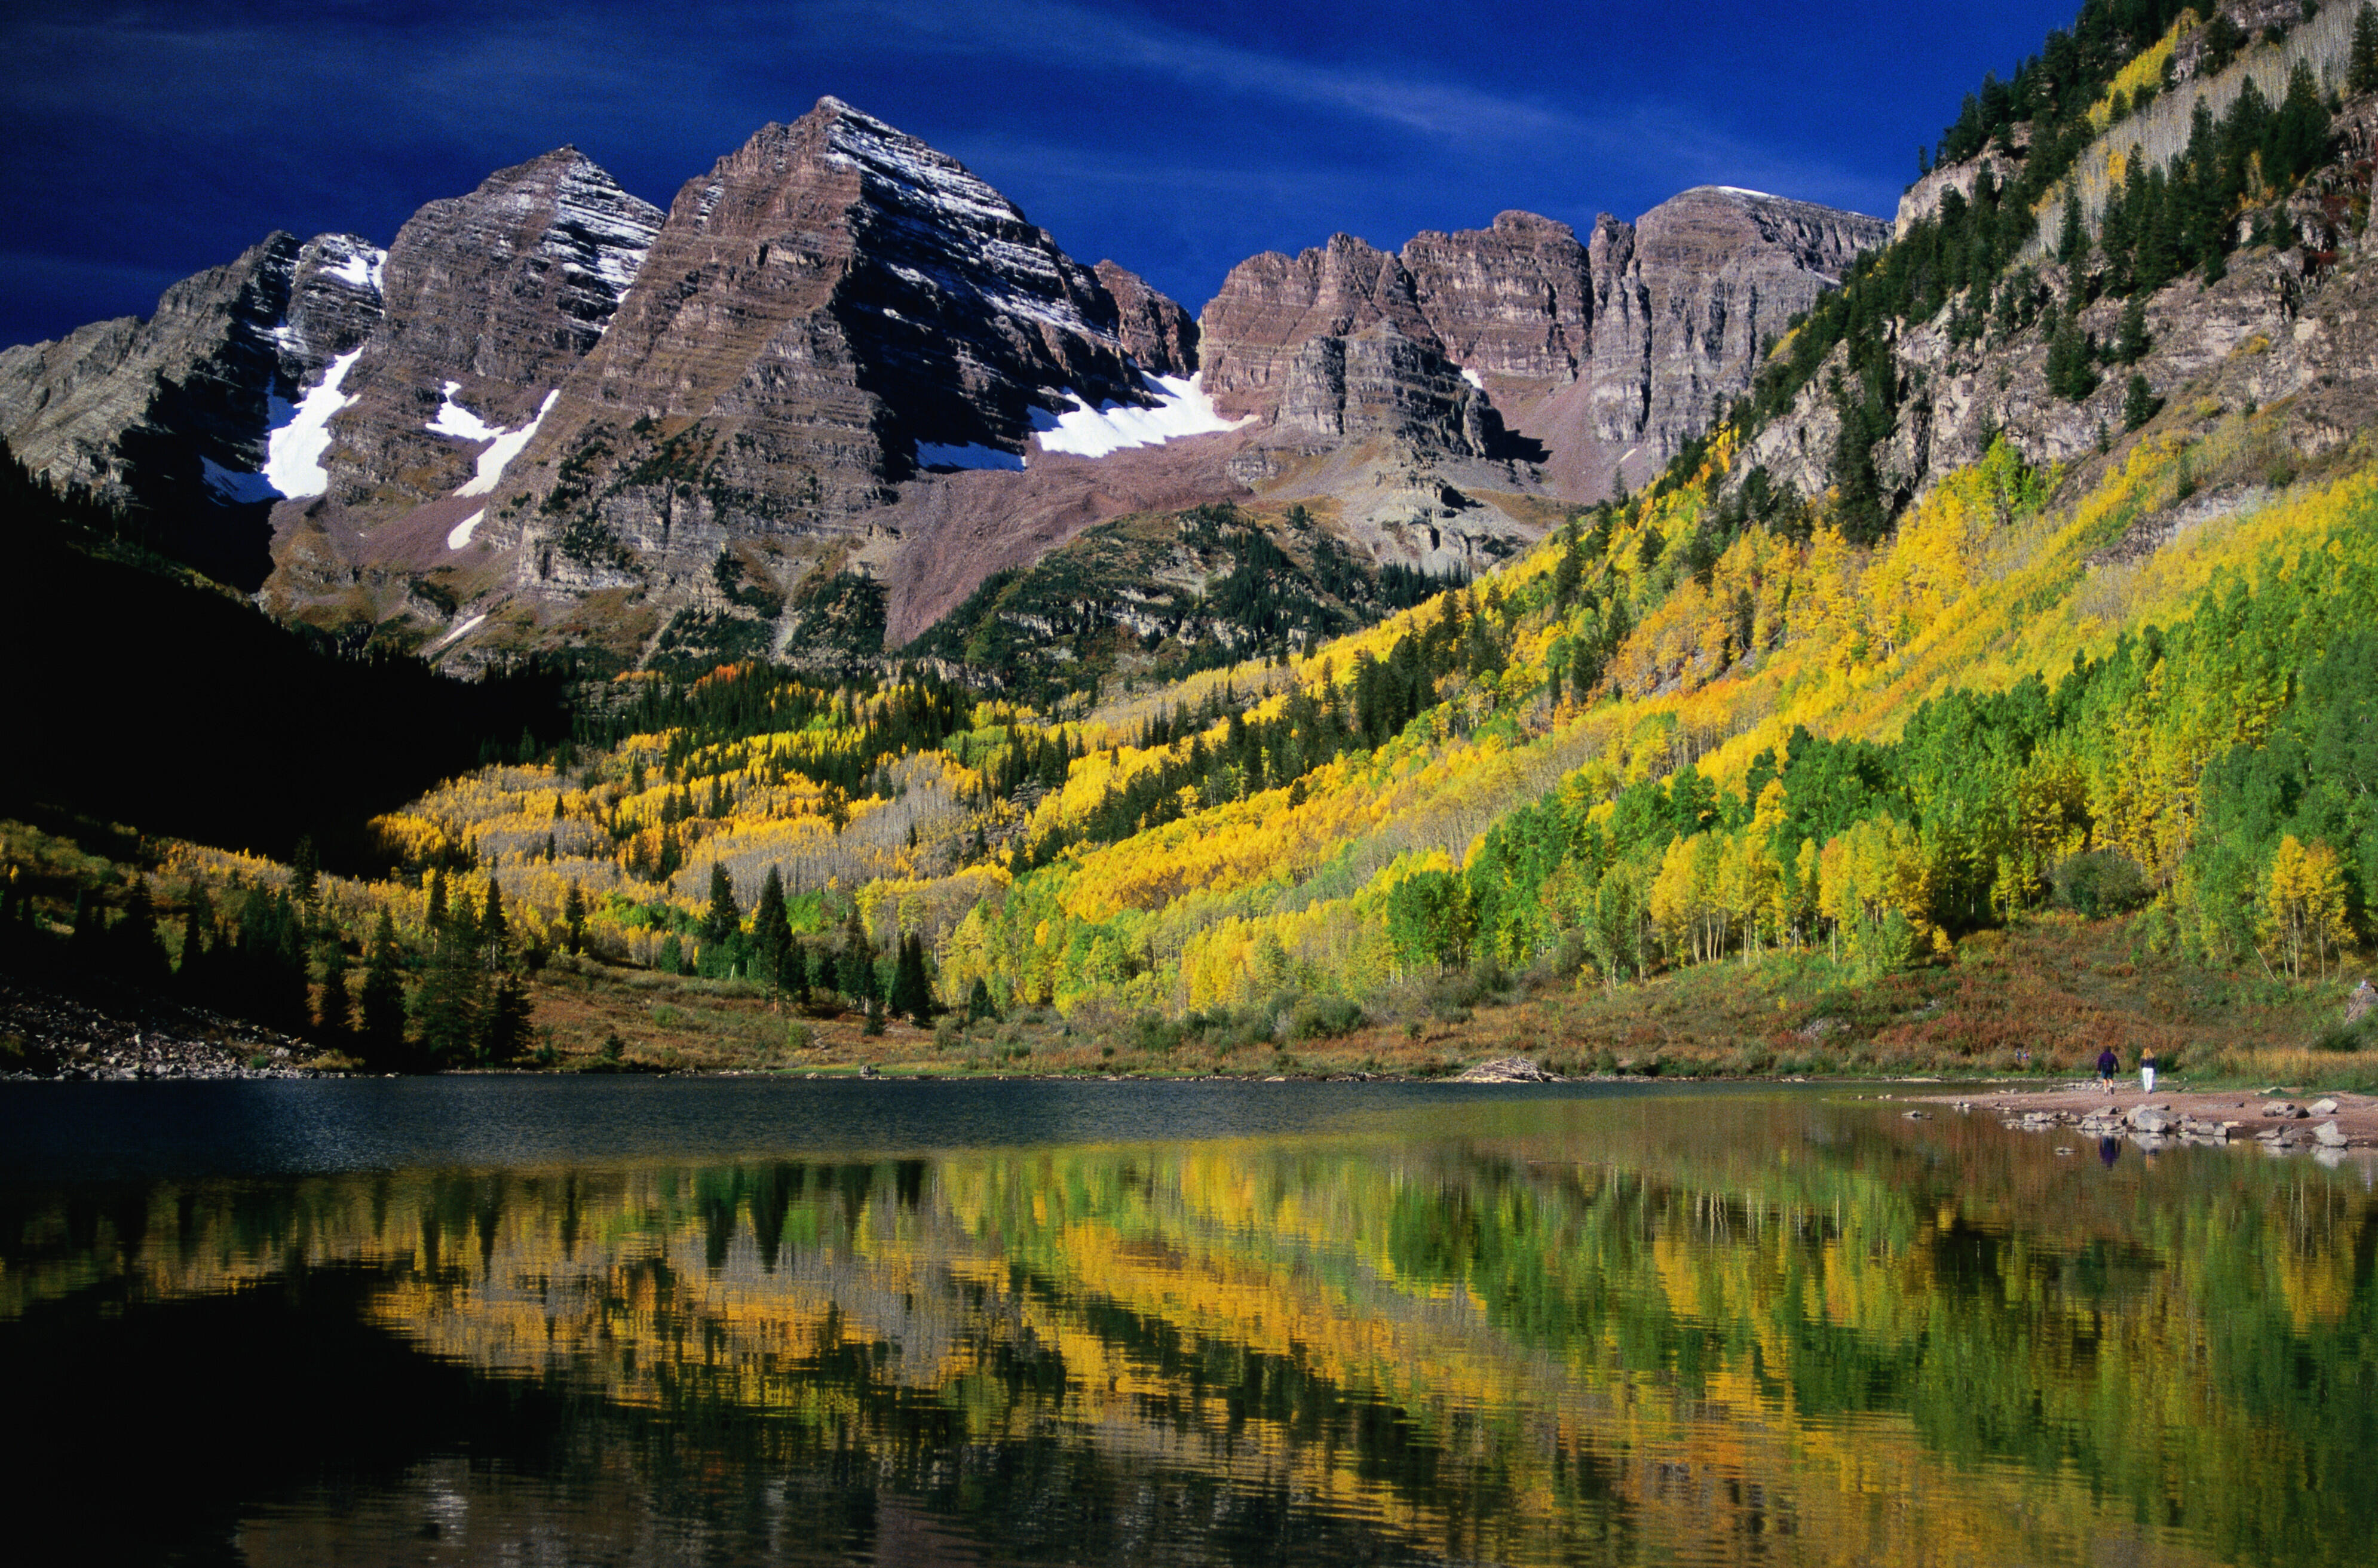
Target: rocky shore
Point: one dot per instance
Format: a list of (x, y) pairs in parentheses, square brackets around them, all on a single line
[(45, 1034), (2275, 1119)]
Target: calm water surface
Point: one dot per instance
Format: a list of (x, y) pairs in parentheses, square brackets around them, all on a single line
[(703, 1321)]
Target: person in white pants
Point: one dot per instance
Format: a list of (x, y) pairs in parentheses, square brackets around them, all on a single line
[(2146, 1071)]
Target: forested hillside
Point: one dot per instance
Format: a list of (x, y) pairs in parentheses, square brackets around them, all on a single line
[(1836, 740)]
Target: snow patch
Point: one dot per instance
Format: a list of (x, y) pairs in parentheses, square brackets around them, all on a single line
[(235, 486), (297, 436), (1472, 376), (932, 454), (467, 626), (1761, 195), (453, 419), (461, 535), (1182, 408), (363, 268)]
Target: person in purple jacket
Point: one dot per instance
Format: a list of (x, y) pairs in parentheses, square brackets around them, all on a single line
[(2107, 1065)]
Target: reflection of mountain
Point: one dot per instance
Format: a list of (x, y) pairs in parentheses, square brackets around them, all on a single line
[(1482, 1349)]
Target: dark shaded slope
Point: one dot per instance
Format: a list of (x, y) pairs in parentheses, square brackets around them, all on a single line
[(141, 693)]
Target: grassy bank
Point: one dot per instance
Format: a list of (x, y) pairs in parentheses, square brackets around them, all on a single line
[(2039, 999)]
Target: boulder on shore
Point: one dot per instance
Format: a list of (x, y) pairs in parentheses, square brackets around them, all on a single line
[(1508, 1070)]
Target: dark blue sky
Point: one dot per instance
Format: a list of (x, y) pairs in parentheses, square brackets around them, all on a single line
[(147, 141)]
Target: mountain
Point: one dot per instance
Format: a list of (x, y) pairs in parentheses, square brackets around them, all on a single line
[(2021, 603), (176, 416), (842, 381)]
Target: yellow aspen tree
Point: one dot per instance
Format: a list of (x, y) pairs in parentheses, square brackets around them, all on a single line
[(2303, 905)]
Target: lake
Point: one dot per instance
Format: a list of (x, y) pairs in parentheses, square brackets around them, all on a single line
[(702, 1321)]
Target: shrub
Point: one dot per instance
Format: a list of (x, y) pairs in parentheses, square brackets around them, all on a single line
[(1322, 1018), (2347, 1037), (2101, 883)]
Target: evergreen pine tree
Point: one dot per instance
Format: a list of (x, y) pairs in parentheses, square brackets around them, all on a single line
[(725, 919), (383, 996), (2072, 240), (291, 1005), (435, 919), (978, 1005), (2298, 132), (495, 932), (2070, 374), (304, 870), (772, 931), (449, 1007), (334, 1011), (855, 969), (200, 937), (507, 1027), (796, 977), (912, 990), (573, 919), (2131, 339), (138, 953), (2138, 402), (2362, 71)]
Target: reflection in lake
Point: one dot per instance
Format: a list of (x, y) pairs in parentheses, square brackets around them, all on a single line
[(1690, 1328)]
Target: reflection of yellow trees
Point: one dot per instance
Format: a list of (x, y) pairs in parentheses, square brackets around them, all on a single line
[(1900, 1341)]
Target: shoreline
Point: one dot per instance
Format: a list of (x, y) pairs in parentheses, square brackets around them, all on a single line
[(2275, 1115)]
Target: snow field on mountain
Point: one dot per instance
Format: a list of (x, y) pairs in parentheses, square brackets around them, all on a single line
[(1183, 409), (466, 628), (453, 419), (361, 269), (299, 434)]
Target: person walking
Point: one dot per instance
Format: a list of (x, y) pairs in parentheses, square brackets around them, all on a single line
[(2146, 1071), (2107, 1065)]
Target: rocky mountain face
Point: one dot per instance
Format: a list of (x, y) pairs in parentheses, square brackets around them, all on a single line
[(1686, 302), (834, 309), (2280, 328), (1332, 346), (490, 300), (551, 413), (171, 415), (1604, 356)]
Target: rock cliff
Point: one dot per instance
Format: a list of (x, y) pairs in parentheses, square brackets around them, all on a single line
[(1513, 300), (1686, 304), (1606, 356), (171, 415), (490, 300)]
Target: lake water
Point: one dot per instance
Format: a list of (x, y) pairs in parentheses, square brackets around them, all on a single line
[(633, 1320)]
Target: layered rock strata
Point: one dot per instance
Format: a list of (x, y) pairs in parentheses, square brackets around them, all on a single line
[(1610, 354), (490, 301), (834, 310)]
